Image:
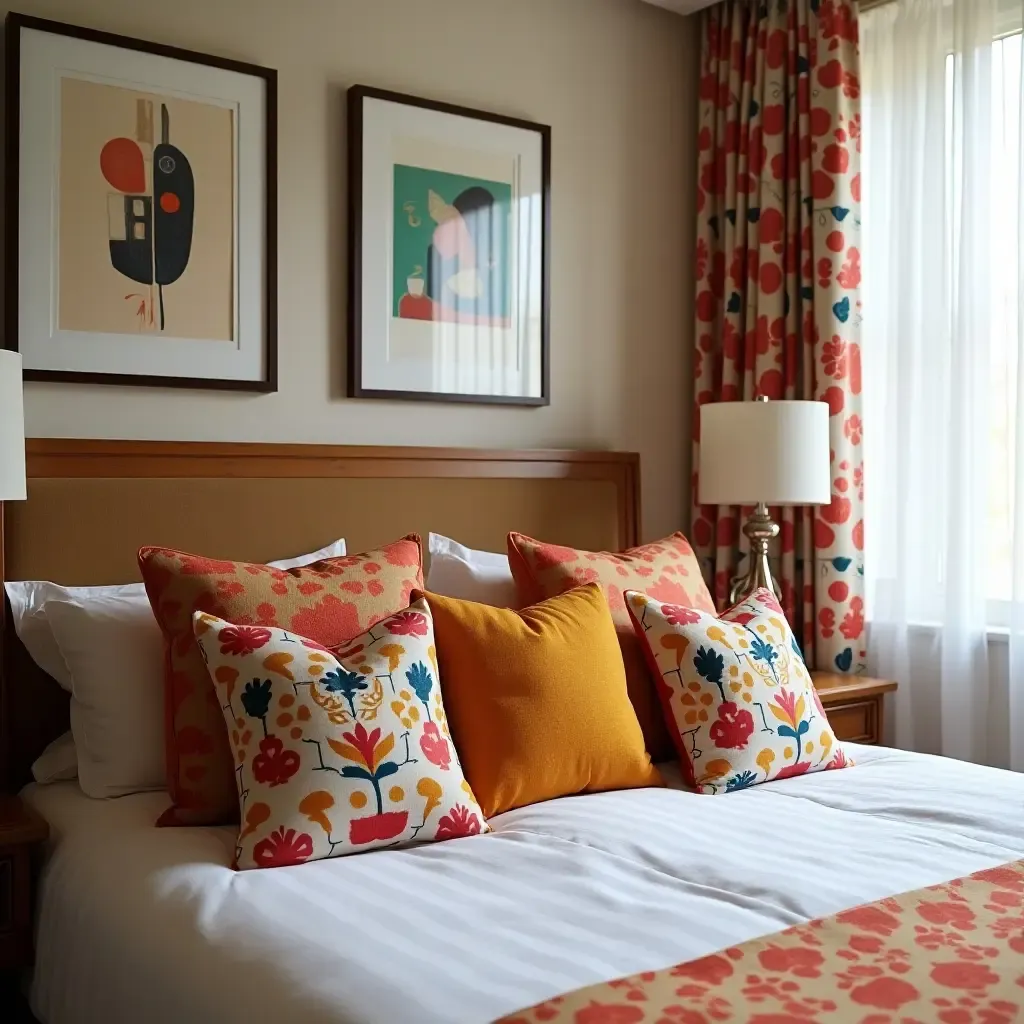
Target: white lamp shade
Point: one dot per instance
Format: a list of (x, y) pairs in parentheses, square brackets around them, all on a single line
[(12, 428), (775, 452)]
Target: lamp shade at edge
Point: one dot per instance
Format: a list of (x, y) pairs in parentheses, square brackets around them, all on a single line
[(778, 453)]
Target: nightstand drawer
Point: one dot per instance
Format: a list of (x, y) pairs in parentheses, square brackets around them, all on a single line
[(856, 721)]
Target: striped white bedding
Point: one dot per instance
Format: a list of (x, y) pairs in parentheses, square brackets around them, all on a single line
[(145, 924)]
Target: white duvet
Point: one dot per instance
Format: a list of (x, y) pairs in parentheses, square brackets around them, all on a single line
[(144, 924)]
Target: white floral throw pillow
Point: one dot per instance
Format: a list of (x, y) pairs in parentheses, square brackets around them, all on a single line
[(337, 752), (741, 703)]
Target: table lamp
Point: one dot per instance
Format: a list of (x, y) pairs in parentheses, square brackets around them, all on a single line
[(12, 429), (763, 453)]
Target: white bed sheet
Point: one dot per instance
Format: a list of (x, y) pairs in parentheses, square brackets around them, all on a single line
[(145, 924)]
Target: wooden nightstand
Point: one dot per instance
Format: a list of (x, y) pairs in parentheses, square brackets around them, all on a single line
[(854, 704), (21, 833)]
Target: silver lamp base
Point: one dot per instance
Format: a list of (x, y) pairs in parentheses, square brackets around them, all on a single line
[(759, 529)]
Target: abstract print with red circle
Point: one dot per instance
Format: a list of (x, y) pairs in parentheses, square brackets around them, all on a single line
[(151, 211), (778, 266)]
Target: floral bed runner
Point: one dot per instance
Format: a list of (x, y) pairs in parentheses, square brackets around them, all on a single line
[(952, 953)]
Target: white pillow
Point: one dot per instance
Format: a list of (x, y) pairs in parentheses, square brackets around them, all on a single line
[(58, 762), (481, 576), (28, 608), (115, 654), (108, 649)]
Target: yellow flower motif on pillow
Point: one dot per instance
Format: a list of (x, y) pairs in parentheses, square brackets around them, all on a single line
[(314, 807)]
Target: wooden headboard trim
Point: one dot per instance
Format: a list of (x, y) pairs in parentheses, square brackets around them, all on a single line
[(51, 458)]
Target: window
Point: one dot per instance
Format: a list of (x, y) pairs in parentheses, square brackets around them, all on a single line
[(1006, 172), (922, 150)]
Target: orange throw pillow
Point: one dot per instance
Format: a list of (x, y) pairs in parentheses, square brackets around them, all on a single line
[(536, 699), (329, 602), (666, 570)]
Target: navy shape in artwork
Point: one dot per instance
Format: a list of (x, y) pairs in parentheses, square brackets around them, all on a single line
[(174, 188), (133, 254)]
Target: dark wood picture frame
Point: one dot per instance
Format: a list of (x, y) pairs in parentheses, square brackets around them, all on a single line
[(356, 96), (13, 26)]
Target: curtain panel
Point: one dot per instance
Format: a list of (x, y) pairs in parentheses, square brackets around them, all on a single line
[(778, 277)]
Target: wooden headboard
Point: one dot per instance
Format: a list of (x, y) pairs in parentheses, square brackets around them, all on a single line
[(92, 504)]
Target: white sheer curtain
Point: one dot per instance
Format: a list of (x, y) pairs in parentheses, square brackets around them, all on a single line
[(944, 444)]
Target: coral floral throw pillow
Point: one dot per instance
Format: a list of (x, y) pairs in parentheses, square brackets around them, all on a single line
[(337, 752), (737, 691), (328, 601)]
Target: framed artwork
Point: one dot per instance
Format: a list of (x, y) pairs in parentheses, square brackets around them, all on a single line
[(141, 211), (449, 252)]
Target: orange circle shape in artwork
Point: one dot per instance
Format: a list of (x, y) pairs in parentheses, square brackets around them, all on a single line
[(122, 165), (170, 203)]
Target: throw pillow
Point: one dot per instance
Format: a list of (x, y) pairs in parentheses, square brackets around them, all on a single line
[(737, 691), (666, 570), (337, 752), (328, 601), (537, 699)]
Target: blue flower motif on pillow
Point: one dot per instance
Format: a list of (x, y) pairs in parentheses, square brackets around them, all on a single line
[(741, 781)]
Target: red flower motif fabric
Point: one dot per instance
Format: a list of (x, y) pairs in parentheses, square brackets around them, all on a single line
[(460, 822), (677, 616), (435, 747), (317, 601), (283, 848), (733, 727), (337, 753), (409, 624), (778, 204), (872, 964), (242, 639), (274, 765)]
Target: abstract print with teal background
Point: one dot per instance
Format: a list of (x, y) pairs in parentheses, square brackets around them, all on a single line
[(452, 248)]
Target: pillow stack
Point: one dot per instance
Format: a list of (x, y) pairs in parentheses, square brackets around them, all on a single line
[(327, 602), (435, 718), (335, 707), (103, 645)]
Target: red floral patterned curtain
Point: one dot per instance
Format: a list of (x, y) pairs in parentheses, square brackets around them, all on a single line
[(778, 268)]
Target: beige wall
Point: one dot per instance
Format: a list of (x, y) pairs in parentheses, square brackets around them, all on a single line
[(615, 79)]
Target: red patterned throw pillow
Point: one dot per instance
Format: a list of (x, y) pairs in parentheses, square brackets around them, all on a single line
[(337, 752), (329, 602), (666, 570), (740, 699)]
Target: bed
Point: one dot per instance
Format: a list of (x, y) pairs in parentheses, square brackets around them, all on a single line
[(139, 923)]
